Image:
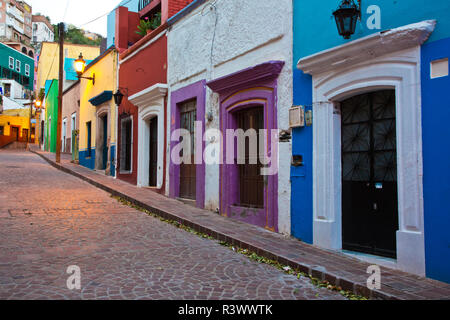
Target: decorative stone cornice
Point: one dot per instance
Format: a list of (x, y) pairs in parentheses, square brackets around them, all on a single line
[(149, 96), (262, 72), (367, 48)]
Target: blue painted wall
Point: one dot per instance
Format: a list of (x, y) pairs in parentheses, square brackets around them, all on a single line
[(132, 5), (314, 31), (113, 157), (69, 69), (85, 161), (436, 158), (301, 177), (315, 22), (89, 162)]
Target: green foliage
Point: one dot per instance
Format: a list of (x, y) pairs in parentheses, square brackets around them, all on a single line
[(41, 94), (149, 24), (76, 36)]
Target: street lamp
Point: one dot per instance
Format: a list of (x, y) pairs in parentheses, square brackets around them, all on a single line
[(346, 17), (80, 66), (118, 97)]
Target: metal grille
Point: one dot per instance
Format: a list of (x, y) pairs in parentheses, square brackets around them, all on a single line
[(143, 4), (369, 139)]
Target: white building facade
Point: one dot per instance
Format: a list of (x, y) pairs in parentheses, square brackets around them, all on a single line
[(229, 74), (42, 30)]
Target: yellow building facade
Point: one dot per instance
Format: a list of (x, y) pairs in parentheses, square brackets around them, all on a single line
[(98, 114), (48, 64), (15, 122)]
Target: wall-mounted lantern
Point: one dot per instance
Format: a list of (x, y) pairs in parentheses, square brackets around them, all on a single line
[(80, 66), (118, 97), (346, 17)]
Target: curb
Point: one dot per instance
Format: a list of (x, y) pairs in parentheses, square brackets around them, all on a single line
[(314, 271)]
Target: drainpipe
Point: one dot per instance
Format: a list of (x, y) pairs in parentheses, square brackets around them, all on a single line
[(117, 113)]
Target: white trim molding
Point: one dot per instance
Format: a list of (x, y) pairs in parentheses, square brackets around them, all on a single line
[(389, 60), (367, 48), (102, 111), (150, 103)]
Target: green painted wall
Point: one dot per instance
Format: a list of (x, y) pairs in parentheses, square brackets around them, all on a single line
[(51, 116), (5, 53)]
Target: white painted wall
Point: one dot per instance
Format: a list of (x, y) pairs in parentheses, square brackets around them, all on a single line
[(42, 33), (229, 36)]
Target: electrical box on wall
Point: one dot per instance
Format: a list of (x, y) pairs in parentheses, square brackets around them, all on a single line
[(297, 117), (309, 118)]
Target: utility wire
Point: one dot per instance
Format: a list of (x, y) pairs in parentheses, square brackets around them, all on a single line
[(105, 14), (56, 49)]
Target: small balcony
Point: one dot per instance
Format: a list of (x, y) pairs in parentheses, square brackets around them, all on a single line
[(144, 3), (146, 7)]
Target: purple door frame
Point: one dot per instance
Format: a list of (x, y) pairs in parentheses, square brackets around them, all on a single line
[(195, 91), (256, 86)]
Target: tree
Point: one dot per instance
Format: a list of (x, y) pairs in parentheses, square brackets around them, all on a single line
[(76, 36)]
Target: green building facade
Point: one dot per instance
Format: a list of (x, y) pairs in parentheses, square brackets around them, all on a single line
[(51, 115), (16, 66)]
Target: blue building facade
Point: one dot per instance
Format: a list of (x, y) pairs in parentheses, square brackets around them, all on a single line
[(397, 60), (132, 5)]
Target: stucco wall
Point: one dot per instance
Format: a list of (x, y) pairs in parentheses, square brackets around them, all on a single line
[(212, 42), (48, 65), (105, 80), (71, 105)]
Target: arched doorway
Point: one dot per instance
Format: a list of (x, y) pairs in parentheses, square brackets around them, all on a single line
[(369, 173)]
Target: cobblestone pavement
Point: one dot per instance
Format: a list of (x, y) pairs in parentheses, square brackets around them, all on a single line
[(50, 220)]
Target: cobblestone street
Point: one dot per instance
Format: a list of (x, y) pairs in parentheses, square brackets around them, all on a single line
[(50, 220)]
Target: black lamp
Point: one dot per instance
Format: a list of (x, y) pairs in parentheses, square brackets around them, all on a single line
[(118, 97), (346, 17)]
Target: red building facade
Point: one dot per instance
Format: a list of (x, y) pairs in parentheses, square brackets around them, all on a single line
[(142, 115)]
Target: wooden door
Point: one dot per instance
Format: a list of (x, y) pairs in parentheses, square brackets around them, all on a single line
[(15, 133), (369, 181), (251, 182), (188, 171), (24, 135), (153, 156), (105, 142)]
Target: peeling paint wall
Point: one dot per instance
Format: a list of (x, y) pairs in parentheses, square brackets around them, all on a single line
[(222, 37)]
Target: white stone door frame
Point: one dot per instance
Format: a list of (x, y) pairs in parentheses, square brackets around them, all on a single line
[(102, 111), (389, 60), (150, 103)]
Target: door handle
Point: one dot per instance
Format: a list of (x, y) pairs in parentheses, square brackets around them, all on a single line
[(375, 206)]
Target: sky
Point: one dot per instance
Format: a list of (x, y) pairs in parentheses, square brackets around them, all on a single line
[(78, 12)]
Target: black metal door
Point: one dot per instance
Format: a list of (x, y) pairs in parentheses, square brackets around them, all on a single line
[(369, 174), (153, 170)]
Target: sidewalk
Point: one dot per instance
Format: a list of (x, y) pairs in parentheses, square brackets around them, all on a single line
[(336, 268)]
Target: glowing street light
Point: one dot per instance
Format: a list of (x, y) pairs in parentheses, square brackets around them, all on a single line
[(80, 67)]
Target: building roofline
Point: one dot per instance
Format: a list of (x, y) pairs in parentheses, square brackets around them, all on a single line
[(45, 21), (17, 51), (70, 44), (100, 57), (73, 85), (185, 11), (53, 81)]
